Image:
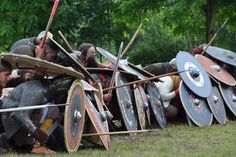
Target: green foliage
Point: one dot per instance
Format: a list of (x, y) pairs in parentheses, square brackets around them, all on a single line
[(169, 25), (157, 44), (20, 19)]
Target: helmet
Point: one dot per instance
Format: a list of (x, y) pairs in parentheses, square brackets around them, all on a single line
[(172, 64), (41, 35)]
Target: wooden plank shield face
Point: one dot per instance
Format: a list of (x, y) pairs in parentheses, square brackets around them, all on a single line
[(156, 105), (195, 106), (99, 124), (216, 105), (193, 74), (216, 70), (222, 55), (74, 117), (146, 104), (140, 107), (126, 103), (27, 62), (229, 96)]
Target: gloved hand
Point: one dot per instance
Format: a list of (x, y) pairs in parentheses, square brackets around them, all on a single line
[(41, 136)]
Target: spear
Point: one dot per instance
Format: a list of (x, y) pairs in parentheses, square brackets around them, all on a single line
[(30, 107), (121, 132), (131, 41), (144, 80), (115, 68), (49, 23), (214, 36), (64, 39)]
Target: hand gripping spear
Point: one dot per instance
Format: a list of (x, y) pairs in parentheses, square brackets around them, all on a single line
[(49, 23)]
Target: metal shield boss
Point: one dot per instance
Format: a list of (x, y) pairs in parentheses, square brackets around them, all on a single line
[(216, 70), (229, 96), (126, 103), (216, 105), (74, 117), (156, 104), (195, 106), (193, 74), (99, 124)]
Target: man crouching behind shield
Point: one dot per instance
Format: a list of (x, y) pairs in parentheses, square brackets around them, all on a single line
[(19, 128)]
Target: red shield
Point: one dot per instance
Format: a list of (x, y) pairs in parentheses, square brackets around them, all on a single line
[(74, 117)]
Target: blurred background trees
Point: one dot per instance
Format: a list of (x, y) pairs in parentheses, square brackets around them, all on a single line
[(168, 25)]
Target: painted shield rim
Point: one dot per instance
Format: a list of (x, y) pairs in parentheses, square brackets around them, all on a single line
[(223, 95), (120, 107), (180, 93), (75, 84), (209, 52), (182, 59), (230, 83), (213, 111), (152, 85)]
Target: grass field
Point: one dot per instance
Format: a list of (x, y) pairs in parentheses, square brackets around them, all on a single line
[(177, 140)]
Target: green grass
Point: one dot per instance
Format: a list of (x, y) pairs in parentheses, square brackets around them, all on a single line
[(177, 140)]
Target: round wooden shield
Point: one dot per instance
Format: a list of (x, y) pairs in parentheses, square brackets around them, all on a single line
[(193, 74), (195, 106), (229, 96), (74, 117), (146, 104), (126, 103), (216, 105), (27, 62), (99, 124), (216, 70), (222, 55), (156, 104), (140, 107)]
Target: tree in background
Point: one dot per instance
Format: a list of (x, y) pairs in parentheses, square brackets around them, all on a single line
[(169, 25)]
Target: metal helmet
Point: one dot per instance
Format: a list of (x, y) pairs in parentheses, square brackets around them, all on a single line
[(41, 35)]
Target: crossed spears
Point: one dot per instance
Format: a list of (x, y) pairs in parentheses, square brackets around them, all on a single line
[(109, 89)]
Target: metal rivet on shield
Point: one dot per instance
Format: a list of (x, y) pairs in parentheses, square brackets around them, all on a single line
[(216, 68), (215, 98), (145, 106), (234, 98), (77, 116), (196, 102), (128, 103)]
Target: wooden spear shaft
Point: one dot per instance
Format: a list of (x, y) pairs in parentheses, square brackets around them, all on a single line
[(131, 41), (54, 9), (116, 68), (214, 36), (144, 80), (64, 39), (120, 132)]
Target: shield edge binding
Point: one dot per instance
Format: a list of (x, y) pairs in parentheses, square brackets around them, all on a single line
[(180, 86), (75, 83)]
